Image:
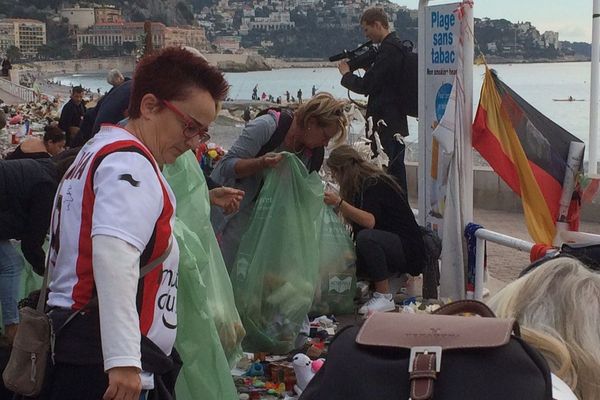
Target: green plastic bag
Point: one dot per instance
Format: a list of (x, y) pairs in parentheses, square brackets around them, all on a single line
[(30, 281), (337, 267), (193, 208), (205, 374), (277, 265), (209, 331)]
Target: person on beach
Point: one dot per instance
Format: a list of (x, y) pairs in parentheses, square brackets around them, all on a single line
[(114, 78), (51, 145), (114, 214), (387, 236), (72, 114), (306, 132), (299, 96), (557, 306), (382, 83)]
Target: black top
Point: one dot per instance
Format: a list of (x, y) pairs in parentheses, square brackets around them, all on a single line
[(392, 214), (18, 154), (71, 115), (27, 189), (383, 84), (114, 106)]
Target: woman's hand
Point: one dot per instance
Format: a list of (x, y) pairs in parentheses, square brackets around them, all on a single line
[(227, 198), (270, 160), (124, 383), (332, 199)]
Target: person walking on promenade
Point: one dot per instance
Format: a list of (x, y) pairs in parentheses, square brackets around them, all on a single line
[(72, 114)]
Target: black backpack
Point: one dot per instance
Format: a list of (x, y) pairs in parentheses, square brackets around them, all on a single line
[(409, 75), (442, 356), (283, 125)]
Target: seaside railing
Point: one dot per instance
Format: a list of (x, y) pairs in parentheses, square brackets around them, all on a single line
[(22, 92), (484, 235)]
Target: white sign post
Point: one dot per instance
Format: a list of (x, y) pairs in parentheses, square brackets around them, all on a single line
[(445, 163)]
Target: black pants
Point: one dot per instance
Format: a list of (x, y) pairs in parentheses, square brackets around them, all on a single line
[(76, 382), (379, 255)]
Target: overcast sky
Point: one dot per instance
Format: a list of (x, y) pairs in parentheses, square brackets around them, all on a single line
[(572, 19)]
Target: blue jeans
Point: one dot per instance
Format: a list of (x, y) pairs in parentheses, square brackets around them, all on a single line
[(11, 265)]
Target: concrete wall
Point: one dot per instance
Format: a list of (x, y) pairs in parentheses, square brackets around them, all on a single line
[(92, 65), (491, 193)]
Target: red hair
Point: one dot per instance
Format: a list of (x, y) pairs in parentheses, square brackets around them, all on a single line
[(170, 73)]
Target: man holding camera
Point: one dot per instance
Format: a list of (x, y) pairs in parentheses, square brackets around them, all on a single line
[(383, 84)]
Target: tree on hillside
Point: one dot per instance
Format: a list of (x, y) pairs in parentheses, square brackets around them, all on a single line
[(88, 50), (129, 47)]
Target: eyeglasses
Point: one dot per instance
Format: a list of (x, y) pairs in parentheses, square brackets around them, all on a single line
[(191, 129)]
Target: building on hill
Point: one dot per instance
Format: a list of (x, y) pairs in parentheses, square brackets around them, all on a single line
[(104, 36), (26, 34), (80, 18), (107, 15), (193, 36)]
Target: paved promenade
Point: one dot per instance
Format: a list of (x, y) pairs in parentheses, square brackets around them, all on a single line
[(9, 98)]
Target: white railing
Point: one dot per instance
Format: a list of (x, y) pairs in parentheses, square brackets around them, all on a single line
[(19, 91), (484, 235)]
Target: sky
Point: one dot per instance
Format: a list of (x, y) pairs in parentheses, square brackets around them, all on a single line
[(572, 19)]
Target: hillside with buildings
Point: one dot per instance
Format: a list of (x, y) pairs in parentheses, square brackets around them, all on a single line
[(314, 29)]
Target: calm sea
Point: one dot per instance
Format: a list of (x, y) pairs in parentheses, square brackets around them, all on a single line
[(539, 84)]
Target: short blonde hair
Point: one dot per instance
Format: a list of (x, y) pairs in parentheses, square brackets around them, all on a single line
[(327, 111), (560, 300)]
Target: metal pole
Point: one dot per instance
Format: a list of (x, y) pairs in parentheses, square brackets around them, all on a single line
[(467, 146), (479, 270), (595, 87), (422, 170)]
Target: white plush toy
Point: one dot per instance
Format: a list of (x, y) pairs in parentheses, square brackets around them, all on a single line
[(305, 370)]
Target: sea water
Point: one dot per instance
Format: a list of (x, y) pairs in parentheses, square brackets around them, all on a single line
[(538, 84)]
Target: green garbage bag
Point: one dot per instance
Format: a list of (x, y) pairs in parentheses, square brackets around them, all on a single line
[(193, 209), (337, 268), (205, 374), (277, 265), (30, 281)]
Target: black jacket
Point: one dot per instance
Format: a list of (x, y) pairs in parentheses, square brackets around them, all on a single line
[(27, 189), (383, 84)]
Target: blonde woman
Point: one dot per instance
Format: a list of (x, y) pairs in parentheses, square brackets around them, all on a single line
[(388, 239), (305, 132), (558, 306)]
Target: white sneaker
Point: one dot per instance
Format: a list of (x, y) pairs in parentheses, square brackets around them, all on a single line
[(380, 302)]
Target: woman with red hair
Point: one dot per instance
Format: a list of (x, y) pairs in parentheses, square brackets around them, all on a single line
[(114, 214)]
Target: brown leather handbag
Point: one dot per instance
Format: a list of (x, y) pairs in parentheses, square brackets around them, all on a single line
[(30, 355), (424, 357)]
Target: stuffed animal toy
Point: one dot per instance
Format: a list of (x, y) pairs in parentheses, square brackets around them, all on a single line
[(305, 370)]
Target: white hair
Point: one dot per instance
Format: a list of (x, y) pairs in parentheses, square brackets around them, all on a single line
[(114, 77), (195, 52), (559, 302)]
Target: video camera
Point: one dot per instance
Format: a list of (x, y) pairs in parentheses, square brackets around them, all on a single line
[(361, 57)]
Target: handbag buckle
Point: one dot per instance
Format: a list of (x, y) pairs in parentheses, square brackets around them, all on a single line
[(437, 350)]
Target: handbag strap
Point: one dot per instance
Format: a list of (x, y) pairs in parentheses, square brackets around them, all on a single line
[(145, 270)]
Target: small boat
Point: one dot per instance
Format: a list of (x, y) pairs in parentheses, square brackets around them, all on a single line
[(570, 98)]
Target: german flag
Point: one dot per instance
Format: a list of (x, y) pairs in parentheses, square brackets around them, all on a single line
[(526, 149)]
